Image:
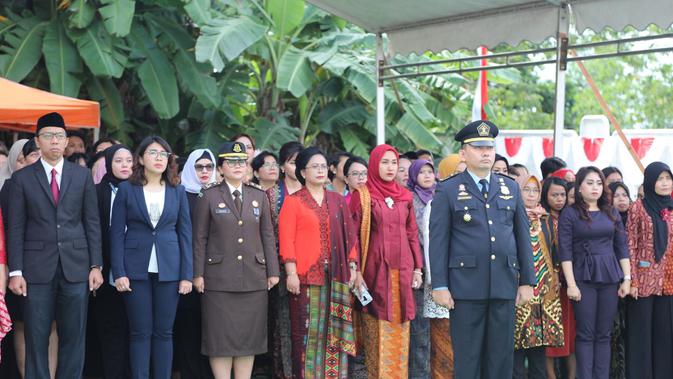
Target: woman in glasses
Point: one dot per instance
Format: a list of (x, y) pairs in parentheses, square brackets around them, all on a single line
[(199, 172), (355, 171), (151, 254), (265, 170), (235, 265), (320, 261), (538, 322)]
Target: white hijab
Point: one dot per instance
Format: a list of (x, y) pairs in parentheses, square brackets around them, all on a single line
[(12, 157), (189, 178)]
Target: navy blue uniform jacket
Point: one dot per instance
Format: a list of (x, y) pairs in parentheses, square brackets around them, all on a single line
[(480, 247)]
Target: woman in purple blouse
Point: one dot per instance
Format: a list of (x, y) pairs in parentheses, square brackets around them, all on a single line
[(595, 259)]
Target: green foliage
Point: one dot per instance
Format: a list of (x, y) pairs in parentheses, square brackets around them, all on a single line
[(199, 71)]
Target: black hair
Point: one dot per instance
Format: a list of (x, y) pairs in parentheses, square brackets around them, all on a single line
[(614, 185), (302, 161), (546, 186), (258, 161), (410, 155), (29, 147), (288, 150), (516, 169), (169, 176), (334, 162), (75, 157), (499, 157), (604, 202), (351, 160), (104, 140), (423, 152), (75, 133), (551, 164), (611, 170)]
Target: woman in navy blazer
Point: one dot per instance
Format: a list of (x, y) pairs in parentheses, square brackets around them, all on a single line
[(151, 255)]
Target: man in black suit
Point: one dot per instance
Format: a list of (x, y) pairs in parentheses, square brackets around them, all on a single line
[(54, 251)]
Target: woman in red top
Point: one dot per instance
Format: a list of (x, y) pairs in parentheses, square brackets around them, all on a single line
[(391, 264), (321, 262), (649, 331)]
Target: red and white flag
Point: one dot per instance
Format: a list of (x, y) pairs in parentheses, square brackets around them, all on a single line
[(481, 92)]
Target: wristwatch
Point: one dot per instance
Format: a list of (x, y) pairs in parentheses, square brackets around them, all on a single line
[(627, 277), (353, 266)]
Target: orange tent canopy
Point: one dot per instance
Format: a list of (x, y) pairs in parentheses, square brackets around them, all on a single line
[(21, 106)]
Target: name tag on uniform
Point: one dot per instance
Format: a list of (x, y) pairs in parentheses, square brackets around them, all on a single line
[(222, 211), (643, 264)]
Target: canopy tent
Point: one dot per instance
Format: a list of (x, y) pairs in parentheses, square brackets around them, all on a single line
[(436, 25), (21, 106)]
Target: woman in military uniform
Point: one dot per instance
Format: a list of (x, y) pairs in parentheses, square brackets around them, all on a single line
[(235, 264)]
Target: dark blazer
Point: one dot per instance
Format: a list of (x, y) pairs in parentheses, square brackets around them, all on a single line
[(41, 233), (234, 252), (132, 235), (480, 247)]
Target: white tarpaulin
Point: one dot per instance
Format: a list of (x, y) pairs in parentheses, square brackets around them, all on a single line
[(436, 25)]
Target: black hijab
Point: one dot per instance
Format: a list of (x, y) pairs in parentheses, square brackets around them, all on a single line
[(109, 155), (654, 204), (613, 188)]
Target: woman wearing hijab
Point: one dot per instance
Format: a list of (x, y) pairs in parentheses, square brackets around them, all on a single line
[(422, 183), (15, 162), (441, 350), (318, 249), (450, 165), (14, 159), (621, 200), (198, 172), (108, 304), (392, 264), (650, 309), (538, 322)]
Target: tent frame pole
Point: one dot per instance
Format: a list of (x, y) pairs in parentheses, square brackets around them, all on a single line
[(380, 94), (561, 66)]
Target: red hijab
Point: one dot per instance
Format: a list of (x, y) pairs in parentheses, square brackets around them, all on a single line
[(379, 188)]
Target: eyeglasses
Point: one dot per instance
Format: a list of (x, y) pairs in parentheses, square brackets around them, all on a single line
[(156, 154), (235, 162), (50, 136), (534, 191), (316, 166), (204, 167), (270, 165), (358, 174)]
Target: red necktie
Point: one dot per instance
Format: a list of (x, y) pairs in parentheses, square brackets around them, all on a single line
[(54, 186)]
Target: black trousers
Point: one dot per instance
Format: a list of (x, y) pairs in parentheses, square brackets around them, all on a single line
[(536, 363), (66, 303), (483, 338), (187, 339), (112, 329), (649, 337)]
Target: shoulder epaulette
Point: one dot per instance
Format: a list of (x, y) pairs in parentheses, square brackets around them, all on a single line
[(456, 174), (207, 187), (505, 175), (255, 186)]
